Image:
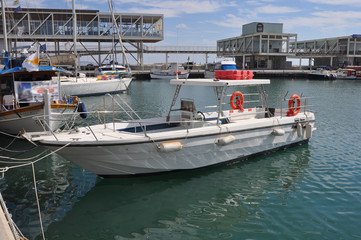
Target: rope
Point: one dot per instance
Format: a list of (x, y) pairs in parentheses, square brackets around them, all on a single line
[(47, 155), (23, 159), (5, 169), (37, 201), (14, 138)]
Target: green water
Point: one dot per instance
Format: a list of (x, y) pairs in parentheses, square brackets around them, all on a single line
[(307, 192)]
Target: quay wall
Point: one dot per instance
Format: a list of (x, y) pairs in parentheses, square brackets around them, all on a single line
[(145, 75)]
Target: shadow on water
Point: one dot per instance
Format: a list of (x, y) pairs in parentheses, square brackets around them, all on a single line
[(183, 205)]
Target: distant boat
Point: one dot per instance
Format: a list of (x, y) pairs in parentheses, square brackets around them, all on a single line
[(103, 83), (173, 71), (222, 65), (322, 74), (349, 73), (99, 85), (112, 69), (23, 107)]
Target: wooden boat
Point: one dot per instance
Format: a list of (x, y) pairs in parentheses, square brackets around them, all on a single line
[(23, 105)]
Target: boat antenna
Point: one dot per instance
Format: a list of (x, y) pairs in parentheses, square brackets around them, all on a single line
[(118, 32)]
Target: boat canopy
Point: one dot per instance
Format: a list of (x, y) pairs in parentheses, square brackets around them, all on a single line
[(19, 69), (218, 83)]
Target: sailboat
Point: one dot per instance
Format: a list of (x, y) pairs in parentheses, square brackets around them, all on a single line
[(101, 84)]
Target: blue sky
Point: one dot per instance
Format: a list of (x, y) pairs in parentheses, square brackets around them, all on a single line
[(203, 22)]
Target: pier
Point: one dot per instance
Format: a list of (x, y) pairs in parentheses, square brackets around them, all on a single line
[(145, 74), (5, 230)]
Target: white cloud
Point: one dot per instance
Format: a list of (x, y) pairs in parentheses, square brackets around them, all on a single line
[(175, 8), (330, 23), (182, 26), (337, 2), (231, 21), (272, 9)]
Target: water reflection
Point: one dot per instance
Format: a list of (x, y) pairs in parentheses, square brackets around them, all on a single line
[(210, 202), (59, 184)]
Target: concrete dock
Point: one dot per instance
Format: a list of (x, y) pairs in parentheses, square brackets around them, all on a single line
[(5, 230)]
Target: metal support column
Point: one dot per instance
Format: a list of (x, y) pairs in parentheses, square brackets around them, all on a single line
[(5, 31)]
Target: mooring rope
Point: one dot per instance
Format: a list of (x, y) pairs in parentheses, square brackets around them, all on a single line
[(5, 169)]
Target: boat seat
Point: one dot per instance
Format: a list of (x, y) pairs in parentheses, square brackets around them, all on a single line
[(8, 101), (189, 116)]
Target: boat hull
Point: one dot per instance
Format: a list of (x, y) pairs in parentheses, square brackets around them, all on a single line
[(320, 76), (112, 159), (168, 76), (29, 119), (92, 86)]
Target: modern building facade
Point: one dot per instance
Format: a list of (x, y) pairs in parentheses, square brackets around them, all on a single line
[(261, 45), (55, 27), (265, 46)]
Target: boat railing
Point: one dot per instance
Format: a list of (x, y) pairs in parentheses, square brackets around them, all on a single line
[(128, 110), (304, 106)]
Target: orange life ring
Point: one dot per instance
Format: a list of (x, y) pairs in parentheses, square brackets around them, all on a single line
[(240, 98), (291, 105)]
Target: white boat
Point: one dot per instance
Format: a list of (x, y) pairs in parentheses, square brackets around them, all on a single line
[(103, 83), (348, 74), (221, 65), (23, 106), (112, 69), (322, 74), (100, 85), (173, 71), (187, 138)]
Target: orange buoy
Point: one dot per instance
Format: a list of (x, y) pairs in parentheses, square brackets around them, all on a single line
[(239, 100), (292, 110)]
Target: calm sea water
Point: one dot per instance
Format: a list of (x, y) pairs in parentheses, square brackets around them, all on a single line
[(307, 192)]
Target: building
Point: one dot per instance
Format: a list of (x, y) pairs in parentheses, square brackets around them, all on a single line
[(261, 46), (265, 46), (96, 33), (334, 52)]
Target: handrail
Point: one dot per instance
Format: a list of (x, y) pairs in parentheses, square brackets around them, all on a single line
[(131, 110)]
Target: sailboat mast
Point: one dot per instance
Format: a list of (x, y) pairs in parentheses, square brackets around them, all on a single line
[(118, 32), (75, 37), (4, 25)]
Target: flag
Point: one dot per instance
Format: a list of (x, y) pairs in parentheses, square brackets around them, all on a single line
[(43, 48), (16, 2), (18, 9), (31, 63)]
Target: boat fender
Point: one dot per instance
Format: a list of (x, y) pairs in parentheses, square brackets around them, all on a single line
[(308, 131), (82, 110), (278, 132), (225, 140), (299, 130), (170, 146)]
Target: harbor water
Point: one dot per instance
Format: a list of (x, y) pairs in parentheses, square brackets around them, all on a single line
[(311, 191)]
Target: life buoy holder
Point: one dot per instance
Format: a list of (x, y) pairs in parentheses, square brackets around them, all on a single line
[(239, 100), (292, 110)]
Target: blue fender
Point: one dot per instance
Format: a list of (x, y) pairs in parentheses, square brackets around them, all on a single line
[(82, 110)]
